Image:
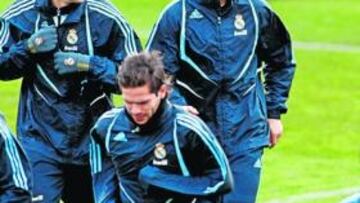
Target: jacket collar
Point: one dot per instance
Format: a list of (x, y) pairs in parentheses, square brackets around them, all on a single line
[(156, 122), (74, 11)]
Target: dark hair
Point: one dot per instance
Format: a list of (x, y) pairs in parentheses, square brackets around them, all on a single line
[(141, 69)]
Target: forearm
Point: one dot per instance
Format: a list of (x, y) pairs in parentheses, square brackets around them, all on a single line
[(104, 71), (15, 62), (278, 83)]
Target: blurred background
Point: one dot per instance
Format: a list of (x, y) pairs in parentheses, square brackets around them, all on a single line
[(318, 157)]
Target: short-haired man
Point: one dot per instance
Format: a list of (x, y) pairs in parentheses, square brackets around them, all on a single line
[(213, 50), (15, 174), (160, 152), (67, 53)]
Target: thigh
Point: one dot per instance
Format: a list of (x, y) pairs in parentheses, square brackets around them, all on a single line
[(246, 170), (78, 187), (47, 175)]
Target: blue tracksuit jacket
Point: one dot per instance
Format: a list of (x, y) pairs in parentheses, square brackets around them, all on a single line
[(174, 156), (57, 108), (15, 175), (215, 57)]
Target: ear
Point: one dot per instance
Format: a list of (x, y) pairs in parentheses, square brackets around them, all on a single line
[(163, 91)]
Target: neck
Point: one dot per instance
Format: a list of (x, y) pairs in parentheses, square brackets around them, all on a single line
[(222, 3)]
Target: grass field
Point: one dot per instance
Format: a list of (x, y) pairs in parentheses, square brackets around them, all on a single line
[(320, 149)]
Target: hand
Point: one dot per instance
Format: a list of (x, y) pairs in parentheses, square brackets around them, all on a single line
[(44, 40), (276, 130), (70, 62), (191, 110)]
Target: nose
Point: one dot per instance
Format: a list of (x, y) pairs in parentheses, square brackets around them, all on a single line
[(135, 109)]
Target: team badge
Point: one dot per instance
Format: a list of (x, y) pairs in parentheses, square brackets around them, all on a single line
[(69, 61), (72, 36), (160, 151), (39, 41), (239, 22)]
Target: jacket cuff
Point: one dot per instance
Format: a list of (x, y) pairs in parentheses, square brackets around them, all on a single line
[(274, 114)]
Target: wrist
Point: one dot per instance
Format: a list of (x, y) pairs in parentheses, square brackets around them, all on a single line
[(274, 114)]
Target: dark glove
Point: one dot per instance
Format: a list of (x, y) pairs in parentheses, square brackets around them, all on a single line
[(70, 62), (43, 40)]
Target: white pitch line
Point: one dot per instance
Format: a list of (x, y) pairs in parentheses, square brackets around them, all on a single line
[(316, 195), (333, 47)]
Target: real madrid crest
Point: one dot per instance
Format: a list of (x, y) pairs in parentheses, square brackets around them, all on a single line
[(72, 36), (160, 151), (239, 22)]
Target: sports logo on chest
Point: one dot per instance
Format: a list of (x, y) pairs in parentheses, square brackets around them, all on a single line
[(72, 38), (160, 155), (239, 24)]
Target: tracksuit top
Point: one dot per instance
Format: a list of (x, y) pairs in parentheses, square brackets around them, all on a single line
[(216, 55), (59, 110), (172, 157)]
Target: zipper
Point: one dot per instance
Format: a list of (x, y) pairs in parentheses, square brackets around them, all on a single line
[(58, 15), (222, 72)]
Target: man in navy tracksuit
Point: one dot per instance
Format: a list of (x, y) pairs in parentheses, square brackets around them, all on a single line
[(67, 52), (215, 51), (160, 152), (15, 174)]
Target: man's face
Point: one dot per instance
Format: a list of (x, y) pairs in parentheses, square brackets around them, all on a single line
[(141, 103)]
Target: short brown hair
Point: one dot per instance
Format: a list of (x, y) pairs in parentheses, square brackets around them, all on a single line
[(141, 69)]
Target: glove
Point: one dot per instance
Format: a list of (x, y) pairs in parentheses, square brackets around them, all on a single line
[(70, 62), (43, 40)]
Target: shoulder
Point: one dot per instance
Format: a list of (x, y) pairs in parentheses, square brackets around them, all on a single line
[(108, 119), (21, 14), (5, 133), (172, 11), (189, 121), (104, 13)]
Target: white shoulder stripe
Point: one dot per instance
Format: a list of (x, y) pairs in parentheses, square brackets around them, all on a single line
[(129, 43), (108, 133), (116, 11), (15, 6), (198, 126), (114, 14), (111, 113), (19, 9), (4, 36), (18, 173)]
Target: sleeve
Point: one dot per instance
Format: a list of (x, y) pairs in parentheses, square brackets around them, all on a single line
[(104, 180), (14, 58), (165, 37), (122, 41), (15, 175), (275, 50), (213, 174)]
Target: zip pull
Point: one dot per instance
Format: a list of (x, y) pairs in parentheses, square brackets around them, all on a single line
[(219, 20), (57, 18)]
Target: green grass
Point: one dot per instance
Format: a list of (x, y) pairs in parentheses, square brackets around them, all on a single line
[(320, 149), (321, 20)]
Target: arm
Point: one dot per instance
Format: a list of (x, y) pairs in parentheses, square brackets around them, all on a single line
[(105, 182), (105, 69), (210, 172), (165, 38), (15, 175), (275, 50), (121, 43), (14, 58)]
